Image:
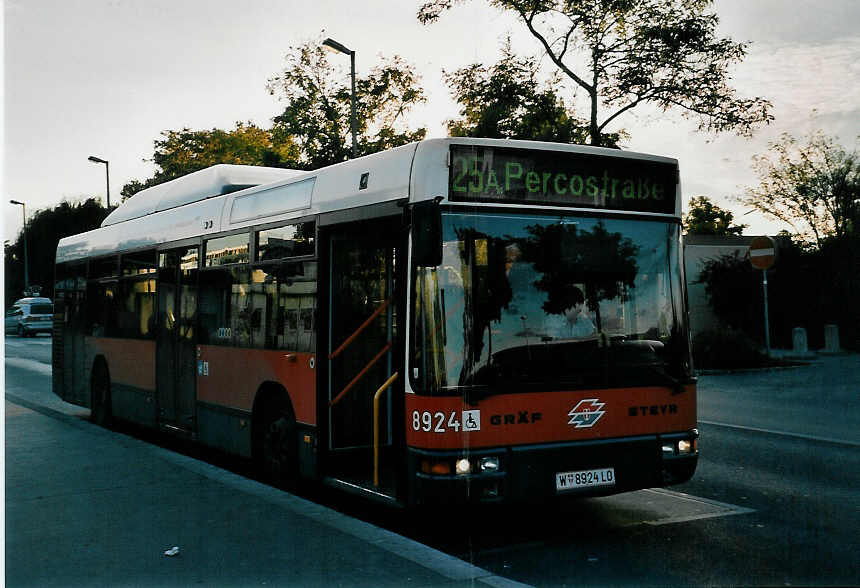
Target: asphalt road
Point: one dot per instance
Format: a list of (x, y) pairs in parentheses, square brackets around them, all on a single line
[(775, 501)]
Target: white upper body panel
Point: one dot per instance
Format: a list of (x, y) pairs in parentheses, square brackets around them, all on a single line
[(194, 206)]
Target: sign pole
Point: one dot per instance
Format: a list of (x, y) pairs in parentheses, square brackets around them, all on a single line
[(762, 256), (766, 322)]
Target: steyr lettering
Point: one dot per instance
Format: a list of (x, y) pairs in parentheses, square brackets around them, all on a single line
[(653, 410)]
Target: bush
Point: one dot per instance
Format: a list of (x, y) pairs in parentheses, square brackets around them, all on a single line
[(726, 349), (807, 288)]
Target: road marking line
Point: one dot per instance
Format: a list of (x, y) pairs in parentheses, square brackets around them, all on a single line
[(15, 343), (29, 364), (783, 433), (727, 509)]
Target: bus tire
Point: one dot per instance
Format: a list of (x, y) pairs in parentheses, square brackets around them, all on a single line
[(100, 408), (274, 436)]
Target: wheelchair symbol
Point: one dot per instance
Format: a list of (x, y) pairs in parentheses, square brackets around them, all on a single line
[(471, 420)]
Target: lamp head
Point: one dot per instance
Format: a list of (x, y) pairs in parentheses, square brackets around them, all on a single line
[(333, 45)]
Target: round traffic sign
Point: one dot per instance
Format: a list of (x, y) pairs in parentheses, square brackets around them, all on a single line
[(762, 253)]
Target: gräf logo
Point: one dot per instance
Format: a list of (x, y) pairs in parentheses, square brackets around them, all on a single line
[(586, 413)]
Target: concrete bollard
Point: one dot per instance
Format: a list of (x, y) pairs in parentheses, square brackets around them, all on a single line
[(798, 339), (831, 338)]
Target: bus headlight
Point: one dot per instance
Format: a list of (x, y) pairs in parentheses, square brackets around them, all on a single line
[(463, 466), (680, 447), (490, 464)]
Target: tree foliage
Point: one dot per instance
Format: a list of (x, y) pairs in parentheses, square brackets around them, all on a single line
[(734, 292), (313, 130), (706, 218), (178, 153), (807, 288), (317, 114), (604, 261), (508, 101), (624, 53), (44, 230), (813, 185)]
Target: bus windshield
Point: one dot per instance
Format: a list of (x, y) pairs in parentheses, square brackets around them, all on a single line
[(538, 303)]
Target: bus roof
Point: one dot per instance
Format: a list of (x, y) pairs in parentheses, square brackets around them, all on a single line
[(225, 197), (213, 181)]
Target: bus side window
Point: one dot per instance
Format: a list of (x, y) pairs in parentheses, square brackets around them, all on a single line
[(137, 308), (221, 306), (102, 309), (290, 298)]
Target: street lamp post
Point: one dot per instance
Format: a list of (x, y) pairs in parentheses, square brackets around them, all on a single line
[(26, 273), (95, 159), (339, 48)]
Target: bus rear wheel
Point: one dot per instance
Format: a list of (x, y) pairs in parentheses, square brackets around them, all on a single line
[(276, 441), (100, 411)]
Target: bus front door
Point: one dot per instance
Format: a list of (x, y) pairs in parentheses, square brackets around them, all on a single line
[(176, 360), (362, 333)]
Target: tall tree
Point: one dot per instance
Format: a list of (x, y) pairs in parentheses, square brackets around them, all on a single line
[(44, 230), (313, 130), (625, 53), (317, 115), (813, 185), (181, 152), (706, 218), (508, 101)]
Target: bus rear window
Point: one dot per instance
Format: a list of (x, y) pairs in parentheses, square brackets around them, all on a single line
[(41, 309)]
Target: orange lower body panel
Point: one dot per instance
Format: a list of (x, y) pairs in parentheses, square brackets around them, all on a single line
[(547, 417), (131, 361), (232, 377)]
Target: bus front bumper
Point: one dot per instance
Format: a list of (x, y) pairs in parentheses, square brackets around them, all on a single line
[(531, 473)]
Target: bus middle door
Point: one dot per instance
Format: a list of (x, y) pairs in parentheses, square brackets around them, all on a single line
[(176, 358)]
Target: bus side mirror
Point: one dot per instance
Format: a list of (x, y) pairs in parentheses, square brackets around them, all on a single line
[(427, 233)]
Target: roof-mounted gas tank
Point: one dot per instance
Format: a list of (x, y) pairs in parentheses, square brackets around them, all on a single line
[(200, 185)]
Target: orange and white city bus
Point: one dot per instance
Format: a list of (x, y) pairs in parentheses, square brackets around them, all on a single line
[(455, 319)]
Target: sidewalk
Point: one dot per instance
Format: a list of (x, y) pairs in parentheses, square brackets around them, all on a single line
[(88, 507)]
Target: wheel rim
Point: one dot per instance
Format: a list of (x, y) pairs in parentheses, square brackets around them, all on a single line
[(277, 445), (100, 399)]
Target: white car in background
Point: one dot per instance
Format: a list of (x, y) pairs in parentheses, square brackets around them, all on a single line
[(30, 316)]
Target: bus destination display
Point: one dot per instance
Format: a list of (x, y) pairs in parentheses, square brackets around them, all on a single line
[(503, 175)]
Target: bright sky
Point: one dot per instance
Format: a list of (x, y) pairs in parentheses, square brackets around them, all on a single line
[(105, 77)]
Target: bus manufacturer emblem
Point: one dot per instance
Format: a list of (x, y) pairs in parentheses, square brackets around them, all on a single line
[(586, 413)]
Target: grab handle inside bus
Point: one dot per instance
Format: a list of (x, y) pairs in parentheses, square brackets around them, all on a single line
[(376, 397), (427, 233)]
